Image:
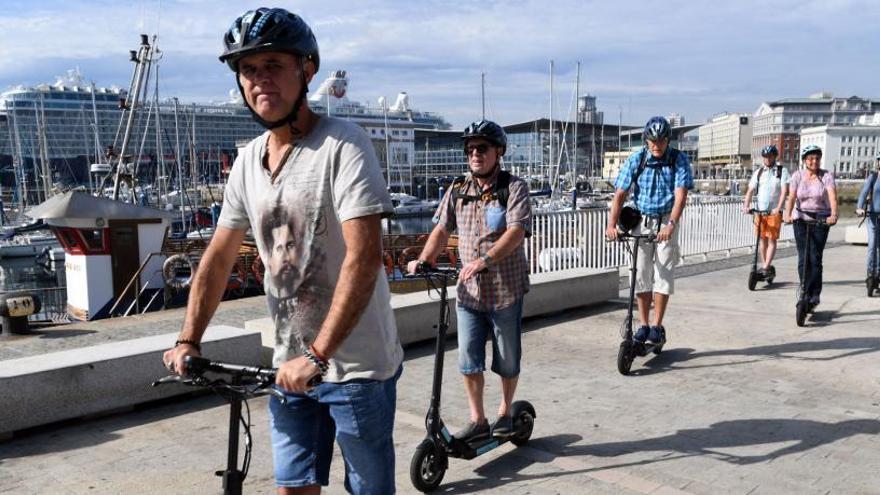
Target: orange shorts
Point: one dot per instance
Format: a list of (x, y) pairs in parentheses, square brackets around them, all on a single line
[(770, 225)]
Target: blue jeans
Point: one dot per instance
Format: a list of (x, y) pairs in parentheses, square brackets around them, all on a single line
[(818, 236), (871, 222), (505, 327), (358, 413)]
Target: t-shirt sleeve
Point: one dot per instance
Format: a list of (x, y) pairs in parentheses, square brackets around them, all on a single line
[(753, 181), (683, 175), (445, 214), (625, 175), (793, 182), (519, 208), (233, 214), (359, 189), (786, 176)]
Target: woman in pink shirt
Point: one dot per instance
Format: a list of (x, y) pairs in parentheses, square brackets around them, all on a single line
[(812, 196)]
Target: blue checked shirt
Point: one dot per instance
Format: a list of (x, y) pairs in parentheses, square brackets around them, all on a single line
[(656, 194)]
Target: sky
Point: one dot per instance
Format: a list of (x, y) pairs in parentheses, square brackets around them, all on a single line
[(696, 58)]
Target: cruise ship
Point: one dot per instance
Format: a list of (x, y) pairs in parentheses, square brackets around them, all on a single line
[(55, 137)]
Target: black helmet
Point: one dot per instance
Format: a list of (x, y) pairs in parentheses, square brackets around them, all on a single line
[(656, 129), (488, 130), (629, 218), (269, 30), (769, 150)]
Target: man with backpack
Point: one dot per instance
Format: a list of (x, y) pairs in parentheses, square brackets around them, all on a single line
[(490, 210), (770, 182), (660, 177)]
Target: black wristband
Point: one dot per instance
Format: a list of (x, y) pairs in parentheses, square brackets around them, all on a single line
[(190, 342)]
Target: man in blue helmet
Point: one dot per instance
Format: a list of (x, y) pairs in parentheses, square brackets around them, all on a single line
[(312, 191), (660, 177), (770, 182), (491, 212)]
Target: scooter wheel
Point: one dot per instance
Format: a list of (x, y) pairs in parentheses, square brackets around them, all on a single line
[(625, 357), (523, 423), (801, 312), (658, 349), (427, 467), (871, 284), (753, 280)]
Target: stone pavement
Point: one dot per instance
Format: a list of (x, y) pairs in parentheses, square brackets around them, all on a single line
[(741, 401)]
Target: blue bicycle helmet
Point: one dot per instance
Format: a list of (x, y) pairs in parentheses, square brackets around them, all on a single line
[(769, 150), (269, 30), (657, 128), (810, 149), (488, 130)]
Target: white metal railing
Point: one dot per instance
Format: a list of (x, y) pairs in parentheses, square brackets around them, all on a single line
[(563, 240)]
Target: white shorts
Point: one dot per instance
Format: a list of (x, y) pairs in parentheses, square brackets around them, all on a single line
[(657, 260)]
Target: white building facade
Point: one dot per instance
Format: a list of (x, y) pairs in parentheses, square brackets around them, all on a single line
[(847, 150), (725, 144)]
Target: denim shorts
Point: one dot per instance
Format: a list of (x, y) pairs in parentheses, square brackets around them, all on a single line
[(504, 326), (359, 414)]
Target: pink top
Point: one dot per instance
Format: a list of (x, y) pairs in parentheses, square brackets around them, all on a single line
[(811, 195)]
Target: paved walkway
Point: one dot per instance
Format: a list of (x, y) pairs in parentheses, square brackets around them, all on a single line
[(741, 401)]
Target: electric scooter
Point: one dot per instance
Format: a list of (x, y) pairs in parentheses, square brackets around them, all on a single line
[(804, 306), (430, 460), (629, 347), (756, 275), (245, 382)]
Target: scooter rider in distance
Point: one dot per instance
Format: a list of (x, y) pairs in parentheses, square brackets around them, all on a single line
[(491, 212), (868, 207), (660, 177), (769, 187)]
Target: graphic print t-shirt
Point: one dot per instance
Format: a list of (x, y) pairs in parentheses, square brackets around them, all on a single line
[(329, 177)]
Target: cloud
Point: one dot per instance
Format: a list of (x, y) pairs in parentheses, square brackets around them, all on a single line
[(694, 58)]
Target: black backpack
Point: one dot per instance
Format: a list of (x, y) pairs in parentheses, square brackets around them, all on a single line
[(501, 192), (761, 171)]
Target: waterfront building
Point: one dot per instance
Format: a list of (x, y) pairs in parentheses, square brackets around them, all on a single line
[(847, 150), (675, 120), (530, 153), (611, 163), (779, 122), (725, 145)]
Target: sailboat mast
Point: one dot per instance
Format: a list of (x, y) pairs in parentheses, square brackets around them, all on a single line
[(141, 59), (483, 93), (97, 138), (577, 111), (550, 164), (180, 184)]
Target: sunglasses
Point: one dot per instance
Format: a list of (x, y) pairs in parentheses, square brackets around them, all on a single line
[(481, 149)]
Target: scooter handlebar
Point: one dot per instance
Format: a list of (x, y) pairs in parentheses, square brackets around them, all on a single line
[(621, 236), (753, 211)]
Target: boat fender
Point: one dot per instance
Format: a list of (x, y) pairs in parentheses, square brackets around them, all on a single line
[(172, 268)]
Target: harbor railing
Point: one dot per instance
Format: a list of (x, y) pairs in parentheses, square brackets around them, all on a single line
[(563, 240)]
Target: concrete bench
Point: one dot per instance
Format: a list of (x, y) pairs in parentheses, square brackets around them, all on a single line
[(51, 387), (856, 234), (416, 313)]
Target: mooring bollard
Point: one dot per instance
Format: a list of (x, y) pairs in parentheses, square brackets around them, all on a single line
[(14, 311)]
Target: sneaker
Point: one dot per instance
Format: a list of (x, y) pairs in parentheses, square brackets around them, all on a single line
[(474, 431), (657, 336), (503, 427), (642, 334)]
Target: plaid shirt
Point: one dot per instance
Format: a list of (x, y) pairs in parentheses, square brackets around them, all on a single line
[(656, 195), (480, 222)]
